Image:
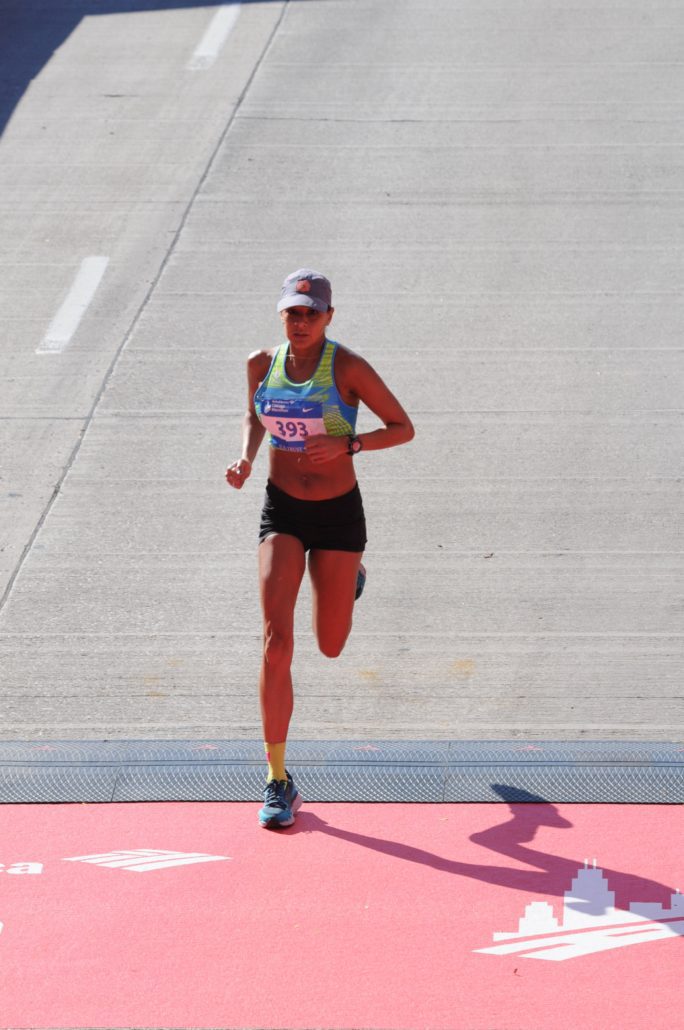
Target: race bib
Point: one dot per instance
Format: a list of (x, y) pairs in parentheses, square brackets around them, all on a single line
[(291, 420)]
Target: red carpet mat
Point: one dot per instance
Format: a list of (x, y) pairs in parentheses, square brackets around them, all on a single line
[(360, 916)]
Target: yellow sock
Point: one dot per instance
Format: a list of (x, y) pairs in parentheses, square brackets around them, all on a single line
[(275, 756)]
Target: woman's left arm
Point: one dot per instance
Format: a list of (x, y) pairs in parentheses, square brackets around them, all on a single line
[(360, 380), (370, 388)]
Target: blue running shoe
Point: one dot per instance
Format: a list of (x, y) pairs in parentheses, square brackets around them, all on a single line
[(360, 582), (282, 801)]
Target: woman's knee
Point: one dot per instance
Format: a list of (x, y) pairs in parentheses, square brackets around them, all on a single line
[(278, 645), (332, 645)]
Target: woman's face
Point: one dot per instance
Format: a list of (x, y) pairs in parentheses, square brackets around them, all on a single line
[(305, 326)]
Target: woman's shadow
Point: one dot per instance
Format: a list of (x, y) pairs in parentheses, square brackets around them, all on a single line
[(549, 875)]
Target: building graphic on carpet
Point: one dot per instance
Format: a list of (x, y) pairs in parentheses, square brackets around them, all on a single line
[(590, 922)]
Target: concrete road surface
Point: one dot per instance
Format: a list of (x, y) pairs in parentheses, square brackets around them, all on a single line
[(497, 193)]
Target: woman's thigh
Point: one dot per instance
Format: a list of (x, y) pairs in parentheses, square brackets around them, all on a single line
[(333, 580), (282, 561)]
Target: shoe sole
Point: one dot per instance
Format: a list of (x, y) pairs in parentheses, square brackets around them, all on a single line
[(275, 824)]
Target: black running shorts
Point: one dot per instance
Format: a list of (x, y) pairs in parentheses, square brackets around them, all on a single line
[(337, 524)]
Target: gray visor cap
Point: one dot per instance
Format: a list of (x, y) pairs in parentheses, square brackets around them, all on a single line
[(305, 288)]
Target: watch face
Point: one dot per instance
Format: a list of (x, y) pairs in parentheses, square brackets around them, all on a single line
[(356, 446)]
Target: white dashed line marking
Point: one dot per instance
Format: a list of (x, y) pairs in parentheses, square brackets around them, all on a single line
[(66, 321), (209, 47)]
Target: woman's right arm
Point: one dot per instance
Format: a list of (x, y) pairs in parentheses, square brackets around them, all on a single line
[(253, 432)]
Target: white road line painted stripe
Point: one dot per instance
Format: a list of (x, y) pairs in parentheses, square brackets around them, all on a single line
[(209, 47), (66, 321)]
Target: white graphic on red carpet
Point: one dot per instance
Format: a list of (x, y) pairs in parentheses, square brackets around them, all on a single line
[(590, 922), (146, 860)]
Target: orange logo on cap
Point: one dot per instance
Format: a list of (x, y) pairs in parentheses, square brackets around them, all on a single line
[(303, 286)]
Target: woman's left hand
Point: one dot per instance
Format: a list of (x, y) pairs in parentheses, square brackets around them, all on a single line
[(323, 448)]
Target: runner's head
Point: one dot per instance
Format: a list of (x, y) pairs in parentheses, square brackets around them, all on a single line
[(305, 307)]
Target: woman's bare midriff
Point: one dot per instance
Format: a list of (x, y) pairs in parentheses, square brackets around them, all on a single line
[(299, 477)]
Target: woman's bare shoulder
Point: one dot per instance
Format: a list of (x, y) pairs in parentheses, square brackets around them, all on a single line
[(347, 360), (259, 362), (350, 367)]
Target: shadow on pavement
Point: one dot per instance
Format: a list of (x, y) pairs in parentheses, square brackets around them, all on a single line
[(550, 875), (31, 32)]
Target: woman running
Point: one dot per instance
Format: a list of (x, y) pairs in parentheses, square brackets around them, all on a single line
[(305, 394)]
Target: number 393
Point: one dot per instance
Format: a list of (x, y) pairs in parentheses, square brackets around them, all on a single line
[(292, 429)]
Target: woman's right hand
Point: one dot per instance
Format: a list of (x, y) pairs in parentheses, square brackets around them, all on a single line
[(238, 473)]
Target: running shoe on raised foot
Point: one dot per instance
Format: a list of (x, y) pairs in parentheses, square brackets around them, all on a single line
[(282, 801), (360, 581)]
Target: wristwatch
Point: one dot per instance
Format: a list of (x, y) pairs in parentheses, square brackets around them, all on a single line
[(355, 444)]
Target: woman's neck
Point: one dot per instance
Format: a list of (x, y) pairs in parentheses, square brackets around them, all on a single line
[(310, 354)]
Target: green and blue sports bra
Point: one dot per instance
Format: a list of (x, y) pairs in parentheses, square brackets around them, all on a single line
[(293, 411)]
